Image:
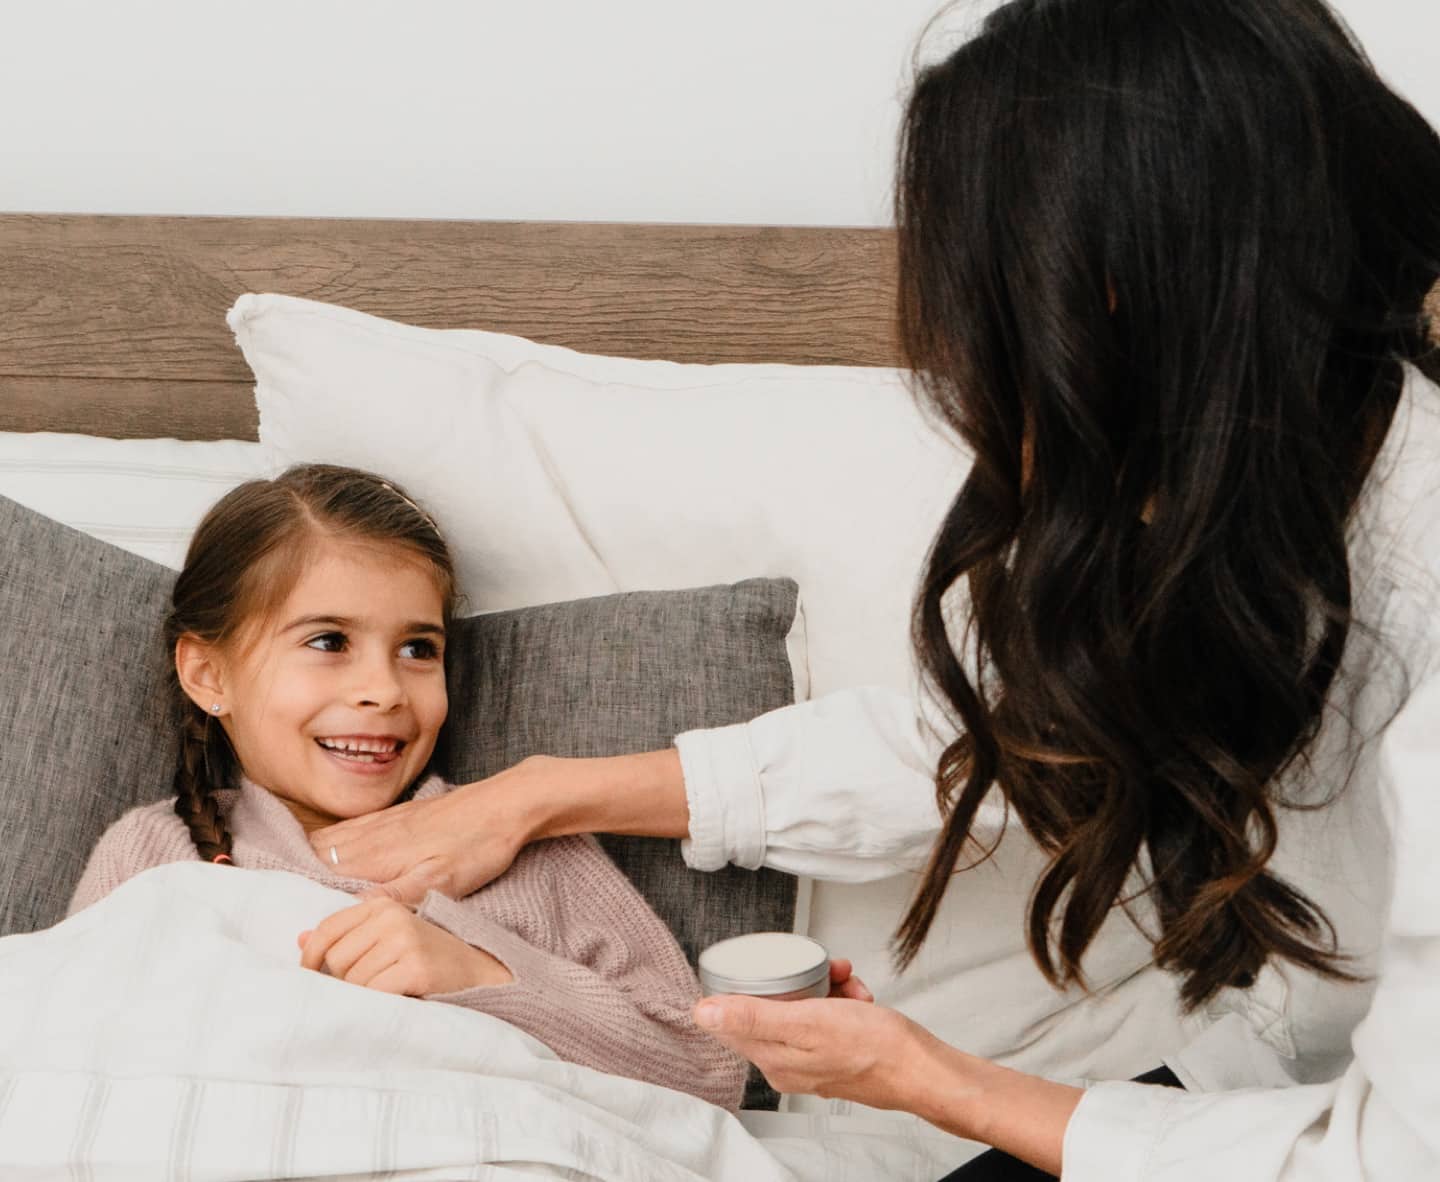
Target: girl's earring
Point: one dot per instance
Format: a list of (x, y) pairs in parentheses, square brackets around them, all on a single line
[(215, 709)]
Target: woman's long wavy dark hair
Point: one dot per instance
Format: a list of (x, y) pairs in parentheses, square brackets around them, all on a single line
[(1160, 262)]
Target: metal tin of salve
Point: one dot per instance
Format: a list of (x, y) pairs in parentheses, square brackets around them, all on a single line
[(778, 965)]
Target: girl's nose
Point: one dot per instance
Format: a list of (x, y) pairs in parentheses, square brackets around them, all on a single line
[(379, 686)]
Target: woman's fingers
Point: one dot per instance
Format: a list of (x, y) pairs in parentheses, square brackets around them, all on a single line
[(829, 1047), (844, 983), (852, 988), (754, 1019), (453, 844), (412, 886), (374, 846)]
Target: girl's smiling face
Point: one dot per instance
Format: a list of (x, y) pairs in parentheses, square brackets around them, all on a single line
[(334, 702)]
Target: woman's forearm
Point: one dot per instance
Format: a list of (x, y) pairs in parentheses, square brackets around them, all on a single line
[(457, 841), (642, 795), (1024, 1115)]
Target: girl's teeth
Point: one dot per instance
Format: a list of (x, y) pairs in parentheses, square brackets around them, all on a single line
[(358, 756)]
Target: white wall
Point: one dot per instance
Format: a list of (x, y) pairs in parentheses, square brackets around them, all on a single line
[(778, 111)]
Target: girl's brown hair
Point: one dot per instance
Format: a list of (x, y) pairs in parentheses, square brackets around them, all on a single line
[(244, 560)]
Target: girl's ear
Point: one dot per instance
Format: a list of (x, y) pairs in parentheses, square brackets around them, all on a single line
[(201, 672)]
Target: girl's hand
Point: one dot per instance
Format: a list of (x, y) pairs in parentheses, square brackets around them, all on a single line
[(382, 944), (453, 844)]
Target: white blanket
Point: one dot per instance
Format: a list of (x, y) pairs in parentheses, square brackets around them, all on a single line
[(168, 1032)]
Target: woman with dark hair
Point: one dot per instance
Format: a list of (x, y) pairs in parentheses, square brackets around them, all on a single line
[(1163, 270)]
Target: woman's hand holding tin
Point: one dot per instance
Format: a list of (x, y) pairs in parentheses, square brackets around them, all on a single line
[(842, 1046)]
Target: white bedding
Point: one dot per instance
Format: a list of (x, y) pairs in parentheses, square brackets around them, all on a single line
[(168, 1032)]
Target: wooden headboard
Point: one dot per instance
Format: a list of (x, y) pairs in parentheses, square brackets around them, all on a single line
[(116, 325)]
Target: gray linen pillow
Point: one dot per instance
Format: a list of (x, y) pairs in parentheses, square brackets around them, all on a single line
[(623, 673), (85, 727), (86, 731)]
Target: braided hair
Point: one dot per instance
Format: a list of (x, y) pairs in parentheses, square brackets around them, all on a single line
[(245, 558)]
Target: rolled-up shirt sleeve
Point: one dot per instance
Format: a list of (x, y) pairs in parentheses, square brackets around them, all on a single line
[(840, 788), (1380, 1120)]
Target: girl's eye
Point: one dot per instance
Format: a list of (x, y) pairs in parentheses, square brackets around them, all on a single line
[(334, 642), (323, 642)]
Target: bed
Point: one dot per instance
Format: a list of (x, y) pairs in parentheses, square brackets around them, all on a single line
[(775, 439), (114, 328)]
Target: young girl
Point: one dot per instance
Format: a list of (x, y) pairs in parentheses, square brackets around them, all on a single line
[(308, 628)]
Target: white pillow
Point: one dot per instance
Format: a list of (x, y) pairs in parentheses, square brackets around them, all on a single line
[(556, 474), (143, 495)]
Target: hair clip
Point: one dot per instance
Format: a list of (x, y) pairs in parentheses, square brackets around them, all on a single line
[(430, 521)]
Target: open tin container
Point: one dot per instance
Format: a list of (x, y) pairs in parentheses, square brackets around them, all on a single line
[(780, 966)]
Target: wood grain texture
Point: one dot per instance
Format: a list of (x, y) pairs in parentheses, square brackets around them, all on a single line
[(104, 321), (115, 325), (128, 408)]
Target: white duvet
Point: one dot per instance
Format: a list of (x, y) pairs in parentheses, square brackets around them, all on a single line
[(168, 1033)]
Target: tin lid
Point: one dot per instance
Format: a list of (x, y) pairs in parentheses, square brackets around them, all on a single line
[(763, 963)]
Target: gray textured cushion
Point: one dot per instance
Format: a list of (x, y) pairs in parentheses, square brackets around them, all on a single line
[(85, 731), (623, 673)]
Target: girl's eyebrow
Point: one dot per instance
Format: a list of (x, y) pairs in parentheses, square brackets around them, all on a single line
[(352, 622)]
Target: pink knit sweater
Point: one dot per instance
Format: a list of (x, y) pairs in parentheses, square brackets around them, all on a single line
[(598, 977)]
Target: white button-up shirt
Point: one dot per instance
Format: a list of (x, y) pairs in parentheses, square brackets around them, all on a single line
[(1296, 1077)]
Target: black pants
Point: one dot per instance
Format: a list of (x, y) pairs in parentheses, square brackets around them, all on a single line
[(994, 1166)]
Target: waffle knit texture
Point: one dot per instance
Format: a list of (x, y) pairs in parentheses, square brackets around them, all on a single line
[(598, 978)]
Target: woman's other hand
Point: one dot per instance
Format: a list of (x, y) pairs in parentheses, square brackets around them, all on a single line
[(382, 944), (453, 844), (458, 842)]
